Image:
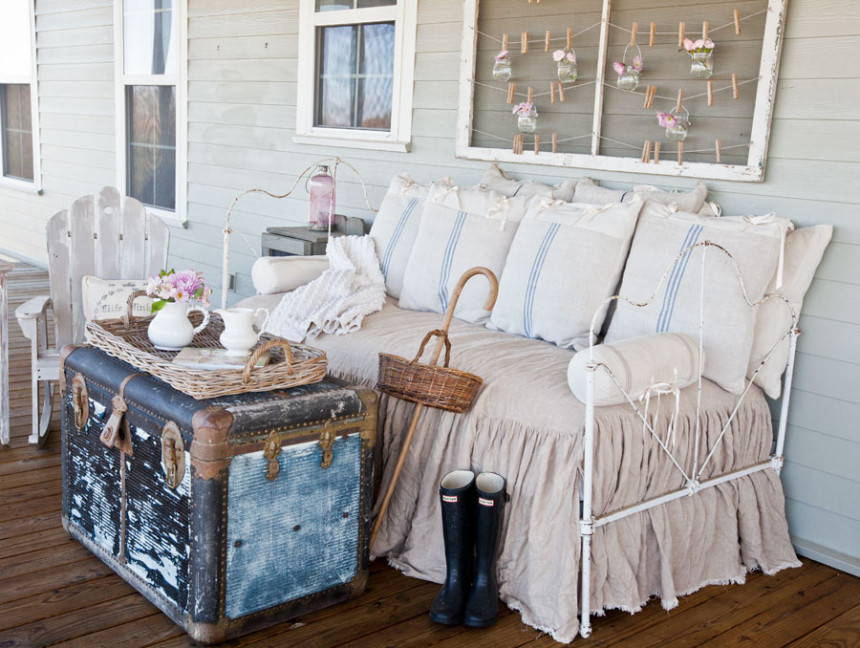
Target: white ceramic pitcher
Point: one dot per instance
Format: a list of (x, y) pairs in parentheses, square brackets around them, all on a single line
[(239, 335)]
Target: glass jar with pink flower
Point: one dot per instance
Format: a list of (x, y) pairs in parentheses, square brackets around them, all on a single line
[(701, 56), (628, 73), (527, 116), (676, 123), (566, 60), (502, 66)]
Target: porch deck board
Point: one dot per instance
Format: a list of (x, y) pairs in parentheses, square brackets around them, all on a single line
[(54, 592)]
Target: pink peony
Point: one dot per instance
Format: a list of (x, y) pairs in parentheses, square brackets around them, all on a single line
[(619, 67), (637, 63), (558, 55), (688, 45)]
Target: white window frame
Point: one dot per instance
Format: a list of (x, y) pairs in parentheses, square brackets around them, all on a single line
[(404, 15), (32, 80), (753, 171), (180, 81)]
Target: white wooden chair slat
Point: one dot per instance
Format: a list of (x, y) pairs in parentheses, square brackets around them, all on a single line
[(58, 261), (81, 261), (109, 255), (133, 264), (159, 239)]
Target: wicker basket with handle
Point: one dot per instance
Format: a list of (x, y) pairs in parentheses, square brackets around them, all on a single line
[(435, 386)]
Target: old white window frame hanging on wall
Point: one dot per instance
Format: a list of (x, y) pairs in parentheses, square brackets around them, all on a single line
[(752, 171)]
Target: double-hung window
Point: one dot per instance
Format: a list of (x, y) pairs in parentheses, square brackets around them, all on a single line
[(150, 60), (355, 73), (18, 113)]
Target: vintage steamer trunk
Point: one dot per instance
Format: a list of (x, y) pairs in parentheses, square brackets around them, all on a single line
[(228, 514)]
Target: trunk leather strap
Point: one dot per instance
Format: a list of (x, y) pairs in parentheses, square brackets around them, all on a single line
[(113, 435)]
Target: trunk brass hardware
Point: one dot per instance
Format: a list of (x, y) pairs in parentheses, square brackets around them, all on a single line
[(327, 436), (172, 455), (80, 401), (271, 451)]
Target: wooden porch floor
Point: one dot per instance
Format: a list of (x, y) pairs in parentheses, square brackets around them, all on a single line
[(54, 592)]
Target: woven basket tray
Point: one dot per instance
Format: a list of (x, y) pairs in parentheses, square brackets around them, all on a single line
[(431, 385), (290, 364)]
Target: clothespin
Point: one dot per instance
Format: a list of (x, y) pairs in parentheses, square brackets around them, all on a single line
[(504, 41), (680, 34), (537, 144), (710, 92), (680, 98), (524, 43), (653, 33), (552, 92), (560, 87), (705, 30), (633, 31), (737, 22), (646, 151), (569, 37), (734, 86), (656, 151), (680, 152), (555, 142), (531, 95), (650, 93), (517, 139), (546, 42), (718, 145), (512, 89)]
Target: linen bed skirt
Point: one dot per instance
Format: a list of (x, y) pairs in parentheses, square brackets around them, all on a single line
[(527, 426)]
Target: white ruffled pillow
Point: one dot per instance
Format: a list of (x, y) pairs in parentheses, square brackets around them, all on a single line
[(497, 179), (670, 360), (587, 191)]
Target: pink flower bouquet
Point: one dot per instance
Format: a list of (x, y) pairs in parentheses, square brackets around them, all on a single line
[(171, 286)]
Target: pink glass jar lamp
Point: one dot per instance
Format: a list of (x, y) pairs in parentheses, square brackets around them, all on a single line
[(320, 200)]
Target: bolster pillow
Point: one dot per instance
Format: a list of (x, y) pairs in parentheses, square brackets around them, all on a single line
[(281, 274), (637, 363)]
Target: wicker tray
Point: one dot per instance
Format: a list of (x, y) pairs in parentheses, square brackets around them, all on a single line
[(290, 364)]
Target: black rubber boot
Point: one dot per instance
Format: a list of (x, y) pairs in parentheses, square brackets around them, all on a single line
[(457, 492), (482, 606)]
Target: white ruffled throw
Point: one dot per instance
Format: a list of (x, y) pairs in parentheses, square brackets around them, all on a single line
[(337, 301)]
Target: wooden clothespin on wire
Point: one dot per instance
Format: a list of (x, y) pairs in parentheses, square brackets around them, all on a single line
[(656, 151), (718, 145), (512, 90), (737, 15), (547, 41), (569, 37), (633, 31), (650, 93), (652, 35), (524, 43), (734, 86), (680, 34)]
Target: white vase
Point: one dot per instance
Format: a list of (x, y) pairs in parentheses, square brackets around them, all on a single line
[(170, 329)]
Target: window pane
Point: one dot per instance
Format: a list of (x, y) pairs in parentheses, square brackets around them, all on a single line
[(15, 57), (151, 152), (149, 37), (334, 5), (356, 76), (17, 127)]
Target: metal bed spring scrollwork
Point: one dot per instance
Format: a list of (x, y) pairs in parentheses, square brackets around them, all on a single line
[(694, 482)]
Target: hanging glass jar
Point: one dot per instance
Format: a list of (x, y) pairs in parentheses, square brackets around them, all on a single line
[(566, 60), (526, 117), (628, 73), (701, 57), (502, 66), (676, 123)]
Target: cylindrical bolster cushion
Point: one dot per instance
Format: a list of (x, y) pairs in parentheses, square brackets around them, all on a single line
[(637, 364), (282, 274)]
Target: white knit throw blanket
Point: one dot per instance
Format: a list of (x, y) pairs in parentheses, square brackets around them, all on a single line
[(336, 301)]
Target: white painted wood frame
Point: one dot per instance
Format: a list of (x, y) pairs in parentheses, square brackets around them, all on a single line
[(753, 171), (404, 15), (180, 80), (32, 80)]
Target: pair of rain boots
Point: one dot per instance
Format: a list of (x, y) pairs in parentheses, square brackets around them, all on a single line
[(472, 513)]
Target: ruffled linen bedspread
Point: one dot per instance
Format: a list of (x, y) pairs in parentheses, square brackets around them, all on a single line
[(527, 426)]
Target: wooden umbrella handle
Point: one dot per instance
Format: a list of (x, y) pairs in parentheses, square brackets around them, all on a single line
[(488, 305)]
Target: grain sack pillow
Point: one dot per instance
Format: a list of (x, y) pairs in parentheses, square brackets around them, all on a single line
[(496, 179), (662, 247), (107, 298), (460, 229), (587, 191), (395, 227), (670, 359), (565, 260), (804, 249)]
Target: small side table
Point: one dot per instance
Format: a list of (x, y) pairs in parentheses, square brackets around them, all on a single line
[(301, 241), (5, 430)]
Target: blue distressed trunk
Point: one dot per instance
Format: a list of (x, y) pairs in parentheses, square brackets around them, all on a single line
[(228, 514)]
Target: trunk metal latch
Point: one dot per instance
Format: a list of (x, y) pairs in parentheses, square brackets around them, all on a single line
[(172, 455)]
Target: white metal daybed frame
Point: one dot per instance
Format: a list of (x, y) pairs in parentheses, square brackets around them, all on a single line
[(693, 481)]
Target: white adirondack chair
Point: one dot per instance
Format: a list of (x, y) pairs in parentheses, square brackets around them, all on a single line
[(107, 236)]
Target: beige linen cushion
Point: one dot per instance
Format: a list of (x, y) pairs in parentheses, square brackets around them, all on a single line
[(395, 227), (587, 191), (661, 236), (497, 179), (107, 298), (804, 249), (637, 364), (277, 274), (564, 262), (460, 228)]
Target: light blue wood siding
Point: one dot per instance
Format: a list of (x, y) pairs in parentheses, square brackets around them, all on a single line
[(241, 117)]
